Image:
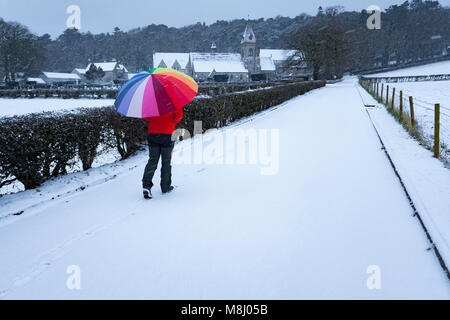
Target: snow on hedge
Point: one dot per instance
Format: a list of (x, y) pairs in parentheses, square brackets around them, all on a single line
[(17, 107)]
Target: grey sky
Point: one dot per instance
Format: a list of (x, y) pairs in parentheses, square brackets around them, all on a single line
[(49, 16)]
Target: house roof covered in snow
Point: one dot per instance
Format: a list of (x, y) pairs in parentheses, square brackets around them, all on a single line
[(219, 62), (170, 59), (107, 66), (267, 64), (61, 76), (122, 67), (37, 80), (80, 71), (277, 54)]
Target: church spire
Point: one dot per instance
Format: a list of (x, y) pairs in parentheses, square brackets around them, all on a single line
[(249, 35)]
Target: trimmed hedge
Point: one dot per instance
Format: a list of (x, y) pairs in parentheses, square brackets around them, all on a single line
[(37, 147), (59, 93), (97, 93)]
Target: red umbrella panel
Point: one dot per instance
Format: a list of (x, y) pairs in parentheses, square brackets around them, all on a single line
[(155, 93)]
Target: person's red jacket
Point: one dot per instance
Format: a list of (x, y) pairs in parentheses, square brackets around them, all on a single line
[(165, 124)]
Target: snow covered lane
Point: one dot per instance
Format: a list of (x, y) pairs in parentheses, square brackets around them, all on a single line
[(335, 209)]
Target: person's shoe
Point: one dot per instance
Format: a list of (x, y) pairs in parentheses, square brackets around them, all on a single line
[(147, 194), (171, 188)]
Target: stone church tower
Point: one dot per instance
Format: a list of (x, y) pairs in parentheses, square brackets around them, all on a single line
[(250, 50)]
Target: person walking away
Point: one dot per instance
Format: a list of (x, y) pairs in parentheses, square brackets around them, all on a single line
[(161, 145)]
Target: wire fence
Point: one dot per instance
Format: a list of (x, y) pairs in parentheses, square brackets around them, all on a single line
[(428, 122)]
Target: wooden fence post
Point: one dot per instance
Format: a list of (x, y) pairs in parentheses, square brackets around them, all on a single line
[(387, 96), (377, 89), (393, 98), (401, 105), (411, 111), (437, 108), (382, 92)]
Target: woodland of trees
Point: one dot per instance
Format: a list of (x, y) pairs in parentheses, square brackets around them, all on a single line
[(333, 42), (336, 41)]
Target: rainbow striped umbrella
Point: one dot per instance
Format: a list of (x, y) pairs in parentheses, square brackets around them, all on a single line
[(155, 93)]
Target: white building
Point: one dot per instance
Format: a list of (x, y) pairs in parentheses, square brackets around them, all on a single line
[(176, 61), (36, 81), (252, 63), (278, 56), (80, 72), (114, 71), (56, 78), (227, 67)]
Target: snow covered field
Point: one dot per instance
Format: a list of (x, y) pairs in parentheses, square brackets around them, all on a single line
[(425, 70), (15, 107), (430, 92), (334, 210), (426, 95)]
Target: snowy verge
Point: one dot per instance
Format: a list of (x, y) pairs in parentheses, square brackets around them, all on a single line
[(21, 106), (15, 206), (334, 210), (426, 178)]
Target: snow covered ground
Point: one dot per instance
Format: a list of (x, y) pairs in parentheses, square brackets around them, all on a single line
[(15, 107), (425, 70), (431, 92), (426, 95), (428, 181), (109, 156), (333, 211)]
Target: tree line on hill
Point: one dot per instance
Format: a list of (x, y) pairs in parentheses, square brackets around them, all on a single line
[(336, 41), (332, 42)]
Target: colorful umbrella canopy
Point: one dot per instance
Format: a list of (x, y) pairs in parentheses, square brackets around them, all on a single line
[(155, 93)]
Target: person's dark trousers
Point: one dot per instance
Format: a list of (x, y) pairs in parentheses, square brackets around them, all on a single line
[(161, 146)]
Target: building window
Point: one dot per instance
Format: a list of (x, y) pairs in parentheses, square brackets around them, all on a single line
[(250, 52)]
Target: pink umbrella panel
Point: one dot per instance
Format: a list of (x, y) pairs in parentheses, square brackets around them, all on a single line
[(155, 93)]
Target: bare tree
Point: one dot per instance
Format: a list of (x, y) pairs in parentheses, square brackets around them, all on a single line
[(20, 51), (326, 44)]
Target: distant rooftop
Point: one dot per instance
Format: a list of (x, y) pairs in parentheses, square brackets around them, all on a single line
[(219, 62), (277, 54), (80, 71), (57, 75), (37, 80), (107, 66), (170, 58), (267, 64)]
